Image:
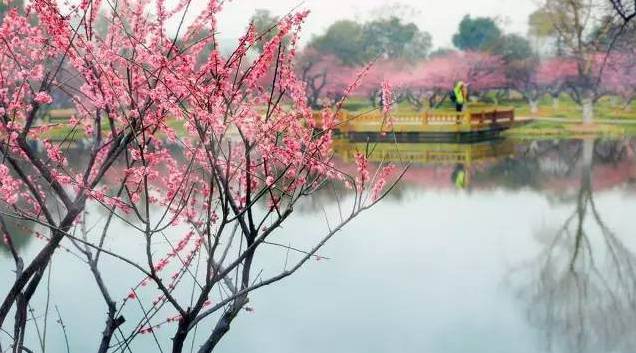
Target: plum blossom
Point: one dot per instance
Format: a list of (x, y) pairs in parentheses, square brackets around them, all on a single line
[(197, 135), (381, 181), (55, 153), (9, 187), (387, 97), (43, 98), (362, 164)]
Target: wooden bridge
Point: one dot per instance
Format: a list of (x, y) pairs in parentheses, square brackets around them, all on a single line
[(443, 126)]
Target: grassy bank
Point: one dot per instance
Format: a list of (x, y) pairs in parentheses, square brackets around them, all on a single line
[(551, 121), (547, 129), (564, 121), (607, 108)]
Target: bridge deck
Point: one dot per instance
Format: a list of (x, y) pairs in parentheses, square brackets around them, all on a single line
[(428, 122)]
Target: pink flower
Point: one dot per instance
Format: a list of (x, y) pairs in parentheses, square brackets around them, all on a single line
[(9, 187), (362, 164), (380, 183), (55, 153), (387, 97), (43, 98)]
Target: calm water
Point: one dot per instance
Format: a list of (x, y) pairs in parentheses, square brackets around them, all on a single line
[(537, 253)]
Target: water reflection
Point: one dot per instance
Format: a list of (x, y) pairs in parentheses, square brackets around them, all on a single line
[(21, 232), (580, 289), (548, 166), (569, 264), (438, 165)]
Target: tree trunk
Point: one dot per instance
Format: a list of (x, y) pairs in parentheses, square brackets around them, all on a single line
[(179, 339), (628, 104), (555, 103), (588, 110), (534, 106), (223, 325), (614, 101)]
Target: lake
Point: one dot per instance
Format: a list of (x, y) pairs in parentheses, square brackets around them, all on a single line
[(533, 251)]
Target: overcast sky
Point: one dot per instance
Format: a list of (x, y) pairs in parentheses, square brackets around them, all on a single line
[(439, 17)]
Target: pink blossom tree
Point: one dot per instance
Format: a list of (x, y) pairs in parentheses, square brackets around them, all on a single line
[(522, 77), (394, 71), (484, 71), (583, 31), (431, 79), (318, 71), (553, 75), (338, 81), (620, 77), (246, 153), (533, 78)]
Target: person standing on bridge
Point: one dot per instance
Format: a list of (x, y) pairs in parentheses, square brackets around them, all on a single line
[(459, 95)]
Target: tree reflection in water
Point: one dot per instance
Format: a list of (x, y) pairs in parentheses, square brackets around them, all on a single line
[(580, 290), (22, 232)]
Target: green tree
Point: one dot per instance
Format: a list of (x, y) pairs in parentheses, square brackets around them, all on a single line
[(344, 40), (480, 33), (393, 39), (354, 43), (513, 47), (6, 6), (520, 67), (439, 52), (540, 25), (265, 25)]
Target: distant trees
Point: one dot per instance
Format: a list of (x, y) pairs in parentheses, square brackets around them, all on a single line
[(440, 52), (520, 67), (421, 84), (392, 39), (430, 80), (322, 73), (540, 28), (580, 27), (522, 76), (620, 78), (576, 36), (554, 76), (6, 5), (265, 25), (355, 44), (342, 39), (513, 47), (479, 34)]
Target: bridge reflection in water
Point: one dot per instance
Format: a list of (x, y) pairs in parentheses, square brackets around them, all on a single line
[(453, 160), (426, 153)]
